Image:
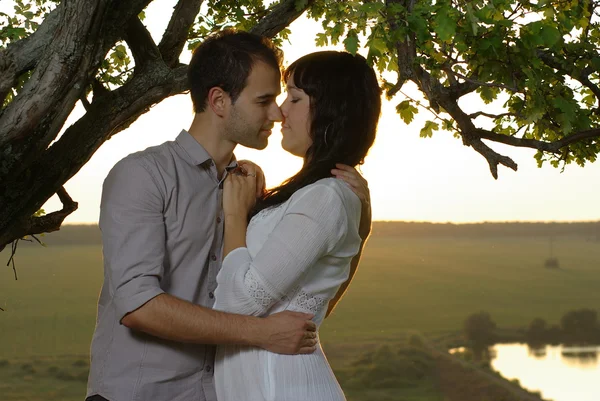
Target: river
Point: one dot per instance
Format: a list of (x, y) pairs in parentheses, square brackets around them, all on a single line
[(559, 373)]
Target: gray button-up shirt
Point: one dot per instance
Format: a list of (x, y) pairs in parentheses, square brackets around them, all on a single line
[(162, 232)]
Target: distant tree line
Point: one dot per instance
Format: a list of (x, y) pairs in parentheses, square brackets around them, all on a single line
[(90, 234), (584, 230), (577, 327)]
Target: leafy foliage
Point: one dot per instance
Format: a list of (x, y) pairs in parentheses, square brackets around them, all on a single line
[(534, 64), (25, 19)]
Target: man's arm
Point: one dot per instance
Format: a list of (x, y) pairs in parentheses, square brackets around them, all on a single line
[(133, 232), (174, 319)]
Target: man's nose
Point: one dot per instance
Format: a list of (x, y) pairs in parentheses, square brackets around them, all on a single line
[(275, 114)]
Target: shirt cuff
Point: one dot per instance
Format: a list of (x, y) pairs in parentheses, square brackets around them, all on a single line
[(135, 294), (238, 257)]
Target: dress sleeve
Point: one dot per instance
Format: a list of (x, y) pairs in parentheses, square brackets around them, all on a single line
[(133, 235), (311, 228)]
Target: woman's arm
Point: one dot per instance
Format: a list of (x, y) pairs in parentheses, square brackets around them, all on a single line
[(312, 226), (239, 196), (360, 187)]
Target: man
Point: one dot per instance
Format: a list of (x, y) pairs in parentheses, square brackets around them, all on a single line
[(162, 230)]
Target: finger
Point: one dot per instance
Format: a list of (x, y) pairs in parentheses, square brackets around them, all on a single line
[(307, 350), (345, 167), (350, 174), (349, 178), (261, 184), (250, 168), (310, 335), (309, 342), (309, 325)]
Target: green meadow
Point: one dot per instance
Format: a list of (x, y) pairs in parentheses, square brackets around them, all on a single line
[(406, 284)]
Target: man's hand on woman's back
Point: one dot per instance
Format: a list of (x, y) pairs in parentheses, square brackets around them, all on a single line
[(288, 333)]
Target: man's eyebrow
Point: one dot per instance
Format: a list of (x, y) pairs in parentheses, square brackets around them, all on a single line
[(267, 96)]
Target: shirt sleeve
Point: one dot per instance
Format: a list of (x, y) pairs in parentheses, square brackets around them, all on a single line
[(311, 228), (133, 235)]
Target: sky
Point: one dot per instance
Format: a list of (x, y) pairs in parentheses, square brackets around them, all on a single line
[(435, 179)]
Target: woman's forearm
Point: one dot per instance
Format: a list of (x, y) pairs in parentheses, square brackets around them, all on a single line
[(235, 233)]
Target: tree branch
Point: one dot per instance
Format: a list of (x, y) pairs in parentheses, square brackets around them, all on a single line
[(142, 45), (405, 49), (582, 76), (551, 147), (489, 115), (43, 224), (23, 55), (488, 84), (34, 118), (493, 158), (176, 35), (279, 17), (579, 136)]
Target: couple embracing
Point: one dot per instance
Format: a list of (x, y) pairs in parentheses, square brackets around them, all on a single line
[(214, 288)]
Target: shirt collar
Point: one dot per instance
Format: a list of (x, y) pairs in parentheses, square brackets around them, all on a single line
[(195, 153)]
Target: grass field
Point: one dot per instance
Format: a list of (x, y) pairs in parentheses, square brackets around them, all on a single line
[(427, 285)]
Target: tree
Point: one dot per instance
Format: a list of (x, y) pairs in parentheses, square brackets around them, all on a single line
[(581, 327), (479, 330), (536, 62), (537, 333)]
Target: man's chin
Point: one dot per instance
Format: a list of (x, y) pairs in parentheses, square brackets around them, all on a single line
[(258, 145)]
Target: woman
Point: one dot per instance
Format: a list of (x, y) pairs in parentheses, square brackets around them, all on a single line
[(296, 253)]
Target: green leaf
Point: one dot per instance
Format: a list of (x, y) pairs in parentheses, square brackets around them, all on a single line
[(351, 42), (487, 94), (322, 39), (407, 111), (427, 130), (550, 35), (300, 4), (444, 26)]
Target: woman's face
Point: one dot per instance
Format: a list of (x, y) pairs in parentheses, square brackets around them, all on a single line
[(295, 127)]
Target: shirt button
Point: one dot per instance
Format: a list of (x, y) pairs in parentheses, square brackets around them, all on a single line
[(213, 257), (211, 295), (208, 369), (218, 220)]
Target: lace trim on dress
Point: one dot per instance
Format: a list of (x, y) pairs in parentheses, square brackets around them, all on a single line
[(260, 295), (308, 302)]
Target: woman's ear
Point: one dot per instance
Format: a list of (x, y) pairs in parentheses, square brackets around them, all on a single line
[(218, 101)]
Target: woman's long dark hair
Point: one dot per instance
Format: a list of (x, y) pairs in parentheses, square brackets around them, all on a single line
[(345, 103)]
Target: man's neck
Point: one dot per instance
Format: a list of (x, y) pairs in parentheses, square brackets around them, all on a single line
[(209, 135)]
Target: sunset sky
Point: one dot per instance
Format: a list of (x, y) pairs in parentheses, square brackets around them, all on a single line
[(436, 179)]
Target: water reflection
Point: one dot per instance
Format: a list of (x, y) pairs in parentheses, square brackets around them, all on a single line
[(584, 357), (559, 373), (537, 352)]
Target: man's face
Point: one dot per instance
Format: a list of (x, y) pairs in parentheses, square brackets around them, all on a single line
[(251, 117)]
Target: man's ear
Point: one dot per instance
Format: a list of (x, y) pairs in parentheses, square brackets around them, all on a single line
[(219, 101)]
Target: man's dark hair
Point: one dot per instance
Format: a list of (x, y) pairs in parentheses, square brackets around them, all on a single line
[(225, 60)]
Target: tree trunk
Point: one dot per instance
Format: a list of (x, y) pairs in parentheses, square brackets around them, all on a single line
[(65, 54)]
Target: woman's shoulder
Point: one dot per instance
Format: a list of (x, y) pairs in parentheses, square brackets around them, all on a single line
[(327, 188)]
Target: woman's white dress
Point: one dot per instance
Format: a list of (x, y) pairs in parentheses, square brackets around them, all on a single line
[(297, 256)]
